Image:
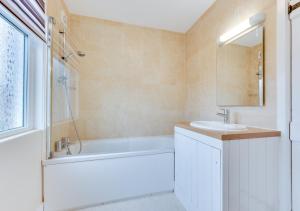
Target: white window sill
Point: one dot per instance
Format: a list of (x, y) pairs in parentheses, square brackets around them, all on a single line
[(16, 136)]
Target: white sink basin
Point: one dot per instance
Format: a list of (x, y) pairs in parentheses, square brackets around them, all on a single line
[(219, 126)]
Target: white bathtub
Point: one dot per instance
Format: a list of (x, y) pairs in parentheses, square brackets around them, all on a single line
[(109, 170)]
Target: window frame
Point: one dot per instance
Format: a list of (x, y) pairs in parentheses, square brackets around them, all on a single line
[(28, 77)]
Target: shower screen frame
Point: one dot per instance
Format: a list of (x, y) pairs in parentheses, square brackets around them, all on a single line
[(50, 24)]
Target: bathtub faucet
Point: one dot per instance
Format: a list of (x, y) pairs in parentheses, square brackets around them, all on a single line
[(63, 143)]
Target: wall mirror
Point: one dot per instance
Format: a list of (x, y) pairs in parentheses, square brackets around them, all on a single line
[(240, 70)]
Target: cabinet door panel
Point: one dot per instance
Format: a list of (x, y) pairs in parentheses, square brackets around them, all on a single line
[(216, 180), (209, 182), (194, 176), (183, 169), (197, 175)]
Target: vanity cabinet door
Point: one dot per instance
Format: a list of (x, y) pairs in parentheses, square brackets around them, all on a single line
[(207, 179), (183, 169), (197, 174)]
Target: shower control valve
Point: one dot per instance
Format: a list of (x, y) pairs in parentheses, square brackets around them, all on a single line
[(62, 144)]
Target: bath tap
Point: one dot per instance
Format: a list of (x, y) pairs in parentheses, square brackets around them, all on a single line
[(63, 143)]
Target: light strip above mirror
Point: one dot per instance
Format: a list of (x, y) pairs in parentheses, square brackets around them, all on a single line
[(242, 28)]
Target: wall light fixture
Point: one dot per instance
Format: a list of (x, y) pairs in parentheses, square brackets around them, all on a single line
[(242, 28)]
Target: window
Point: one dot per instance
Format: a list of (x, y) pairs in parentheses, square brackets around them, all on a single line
[(13, 78)]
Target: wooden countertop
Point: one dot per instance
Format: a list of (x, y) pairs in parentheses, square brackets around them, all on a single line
[(250, 133)]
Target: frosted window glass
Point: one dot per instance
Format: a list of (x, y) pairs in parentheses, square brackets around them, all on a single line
[(12, 76)]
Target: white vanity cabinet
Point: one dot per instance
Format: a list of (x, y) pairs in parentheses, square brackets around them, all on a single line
[(197, 191), (217, 175)]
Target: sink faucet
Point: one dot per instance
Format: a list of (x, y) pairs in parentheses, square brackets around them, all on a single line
[(225, 114)]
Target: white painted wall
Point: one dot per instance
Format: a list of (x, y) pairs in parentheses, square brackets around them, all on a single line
[(295, 28), (295, 124), (296, 176), (21, 173), (283, 104)]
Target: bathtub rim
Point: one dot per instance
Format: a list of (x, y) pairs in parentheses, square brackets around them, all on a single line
[(104, 156), (113, 155)]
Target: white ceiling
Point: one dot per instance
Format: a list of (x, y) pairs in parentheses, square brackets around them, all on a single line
[(172, 15)]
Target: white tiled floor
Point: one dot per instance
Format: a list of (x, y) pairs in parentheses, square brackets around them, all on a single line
[(161, 202)]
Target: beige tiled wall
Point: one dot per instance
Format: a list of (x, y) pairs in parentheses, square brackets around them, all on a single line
[(201, 56), (132, 79), (137, 81)]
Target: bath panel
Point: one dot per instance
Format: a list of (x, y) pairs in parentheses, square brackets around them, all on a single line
[(82, 181)]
